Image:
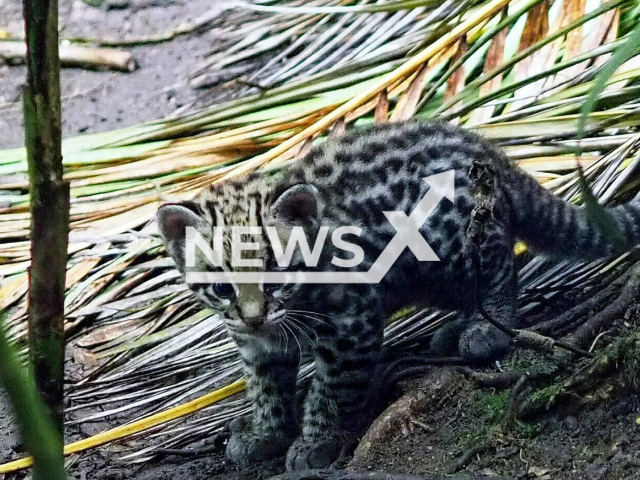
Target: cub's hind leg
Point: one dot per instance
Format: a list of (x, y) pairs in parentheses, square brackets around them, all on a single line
[(481, 341), (471, 336)]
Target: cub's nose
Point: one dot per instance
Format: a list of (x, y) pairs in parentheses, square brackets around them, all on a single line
[(251, 305), (253, 314)]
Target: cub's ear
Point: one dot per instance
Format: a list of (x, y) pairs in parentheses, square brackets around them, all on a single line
[(298, 204), (173, 220)]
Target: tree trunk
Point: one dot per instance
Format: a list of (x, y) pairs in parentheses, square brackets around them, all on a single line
[(49, 204)]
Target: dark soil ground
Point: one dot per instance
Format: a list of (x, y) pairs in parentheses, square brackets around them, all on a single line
[(446, 415), (95, 101)]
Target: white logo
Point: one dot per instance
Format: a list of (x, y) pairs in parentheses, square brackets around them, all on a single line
[(407, 236)]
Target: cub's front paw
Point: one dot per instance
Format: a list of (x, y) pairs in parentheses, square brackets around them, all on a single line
[(246, 447), (309, 454)]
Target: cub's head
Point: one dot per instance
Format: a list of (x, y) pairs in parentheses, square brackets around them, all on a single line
[(231, 228)]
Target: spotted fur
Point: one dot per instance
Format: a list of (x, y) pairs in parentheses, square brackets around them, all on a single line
[(352, 180)]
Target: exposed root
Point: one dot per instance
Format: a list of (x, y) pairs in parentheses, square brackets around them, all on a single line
[(467, 456), (510, 416), (614, 371), (396, 417), (532, 340), (497, 380), (575, 317), (396, 371), (590, 329), (430, 392), (349, 475)]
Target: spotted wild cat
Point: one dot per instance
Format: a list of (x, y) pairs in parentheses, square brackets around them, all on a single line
[(350, 181)]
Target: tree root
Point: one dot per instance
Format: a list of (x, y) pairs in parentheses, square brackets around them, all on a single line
[(519, 381), (532, 340), (589, 329), (614, 371), (467, 456), (516, 391), (350, 475), (497, 380), (395, 371), (434, 389), (578, 315)]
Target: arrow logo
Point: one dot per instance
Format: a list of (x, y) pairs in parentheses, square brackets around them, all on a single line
[(407, 235)]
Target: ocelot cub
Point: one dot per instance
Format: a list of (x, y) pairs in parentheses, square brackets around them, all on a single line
[(370, 180)]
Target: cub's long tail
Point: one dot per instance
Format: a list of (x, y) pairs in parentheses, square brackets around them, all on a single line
[(550, 225)]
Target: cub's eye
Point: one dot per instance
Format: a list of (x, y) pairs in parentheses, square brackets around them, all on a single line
[(223, 290)]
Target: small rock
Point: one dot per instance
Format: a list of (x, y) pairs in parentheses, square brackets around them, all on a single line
[(539, 472), (506, 452)]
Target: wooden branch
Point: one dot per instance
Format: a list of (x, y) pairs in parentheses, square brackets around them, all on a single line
[(498, 380), (49, 214), (75, 56), (532, 340)]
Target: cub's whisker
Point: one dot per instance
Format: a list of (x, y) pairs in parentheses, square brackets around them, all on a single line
[(295, 337), (311, 316), (295, 323)]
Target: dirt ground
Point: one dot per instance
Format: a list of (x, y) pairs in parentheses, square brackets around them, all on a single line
[(442, 417), (452, 416), (94, 101)]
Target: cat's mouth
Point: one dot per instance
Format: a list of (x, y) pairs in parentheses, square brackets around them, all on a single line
[(264, 327), (276, 316)]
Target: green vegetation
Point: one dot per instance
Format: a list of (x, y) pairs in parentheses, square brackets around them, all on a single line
[(38, 433)]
